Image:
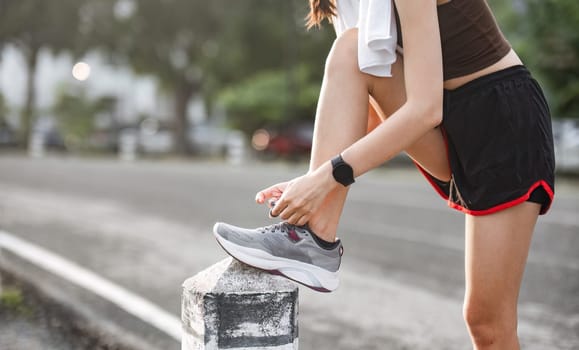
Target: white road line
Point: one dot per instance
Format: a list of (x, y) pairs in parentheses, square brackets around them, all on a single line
[(126, 300)]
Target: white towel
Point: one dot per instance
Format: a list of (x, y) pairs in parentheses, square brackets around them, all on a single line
[(377, 34)]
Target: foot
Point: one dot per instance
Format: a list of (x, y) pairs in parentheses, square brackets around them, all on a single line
[(284, 249)]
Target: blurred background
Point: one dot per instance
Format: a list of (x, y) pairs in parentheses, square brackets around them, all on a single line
[(179, 77), (186, 77), (119, 124)]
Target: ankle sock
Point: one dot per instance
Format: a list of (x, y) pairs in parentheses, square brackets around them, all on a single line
[(323, 243)]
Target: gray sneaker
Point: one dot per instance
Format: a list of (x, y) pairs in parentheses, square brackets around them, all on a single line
[(284, 249)]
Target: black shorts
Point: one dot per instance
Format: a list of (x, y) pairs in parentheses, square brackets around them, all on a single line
[(499, 142)]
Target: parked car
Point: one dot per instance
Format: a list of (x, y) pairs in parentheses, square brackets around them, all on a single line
[(566, 134), (208, 140), (8, 137), (155, 137), (293, 141)]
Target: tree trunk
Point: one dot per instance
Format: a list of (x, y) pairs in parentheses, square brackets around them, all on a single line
[(183, 93), (29, 111)]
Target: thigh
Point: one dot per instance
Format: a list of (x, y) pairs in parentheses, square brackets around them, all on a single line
[(496, 251), (386, 96)]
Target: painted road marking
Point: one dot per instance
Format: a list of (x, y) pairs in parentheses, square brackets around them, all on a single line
[(123, 298)]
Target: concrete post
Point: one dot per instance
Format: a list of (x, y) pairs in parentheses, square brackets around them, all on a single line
[(233, 306), (235, 148), (128, 145), (36, 147)]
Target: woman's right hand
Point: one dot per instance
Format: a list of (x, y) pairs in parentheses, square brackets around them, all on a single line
[(271, 194)]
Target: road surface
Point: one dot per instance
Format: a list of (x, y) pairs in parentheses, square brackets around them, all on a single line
[(147, 227)]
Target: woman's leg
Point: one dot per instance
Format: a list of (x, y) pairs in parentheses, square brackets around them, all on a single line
[(342, 118), (496, 251)]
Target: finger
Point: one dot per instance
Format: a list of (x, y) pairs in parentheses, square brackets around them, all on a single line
[(259, 198), (271, 205), (271, 216), (278, 208), (287, 212), (303, 220), (296, 218), (269, 192)]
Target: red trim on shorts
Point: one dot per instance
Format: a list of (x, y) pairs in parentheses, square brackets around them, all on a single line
[(509, 204), (496, 208), (491, 210)]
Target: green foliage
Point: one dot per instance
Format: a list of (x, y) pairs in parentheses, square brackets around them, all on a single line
[(203, 47), (12, 299), (3, 110), (32, 25), (555, 29), (267, 98), (191, 46), (284, 86), (75, 113), (545, 33)]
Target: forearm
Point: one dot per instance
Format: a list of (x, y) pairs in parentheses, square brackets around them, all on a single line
[(398, 132)]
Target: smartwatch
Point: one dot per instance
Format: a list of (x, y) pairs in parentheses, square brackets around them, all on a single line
[(342, 171)]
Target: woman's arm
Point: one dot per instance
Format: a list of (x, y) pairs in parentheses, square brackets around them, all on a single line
[(424, 89), (421, 112)]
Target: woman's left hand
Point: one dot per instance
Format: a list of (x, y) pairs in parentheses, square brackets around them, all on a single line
[(303, 196)]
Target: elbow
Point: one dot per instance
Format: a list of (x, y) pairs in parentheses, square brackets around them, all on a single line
[(429, 113), (435, 115)]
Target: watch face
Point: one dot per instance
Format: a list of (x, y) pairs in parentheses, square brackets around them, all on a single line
[(343, 173)]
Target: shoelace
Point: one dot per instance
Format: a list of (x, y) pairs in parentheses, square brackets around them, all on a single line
[(282, 226)]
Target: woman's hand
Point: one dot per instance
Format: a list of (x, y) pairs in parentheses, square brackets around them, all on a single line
[(271, 194), (296, 200)]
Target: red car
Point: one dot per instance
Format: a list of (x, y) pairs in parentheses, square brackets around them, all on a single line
[(290, 142)]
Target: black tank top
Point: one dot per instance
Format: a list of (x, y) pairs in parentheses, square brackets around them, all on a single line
[(470, 36)]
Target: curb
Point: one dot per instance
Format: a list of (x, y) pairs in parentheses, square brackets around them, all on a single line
[(99, 313)]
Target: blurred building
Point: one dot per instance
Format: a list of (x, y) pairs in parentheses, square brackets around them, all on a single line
[(136, 97)]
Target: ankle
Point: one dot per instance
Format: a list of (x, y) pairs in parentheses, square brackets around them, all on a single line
[(322, 232)]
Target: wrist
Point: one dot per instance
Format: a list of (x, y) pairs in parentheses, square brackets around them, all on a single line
[(324, 173), (342, 172)]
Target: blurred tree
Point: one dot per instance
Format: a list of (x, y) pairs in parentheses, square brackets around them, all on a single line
[(262, 99), (196, 47), (288, 91), (545, 33), (3, 107), (33, 25), (553, 29), (3, 111), (76, 113)]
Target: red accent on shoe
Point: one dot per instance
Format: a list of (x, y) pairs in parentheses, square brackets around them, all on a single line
[(293, 236)]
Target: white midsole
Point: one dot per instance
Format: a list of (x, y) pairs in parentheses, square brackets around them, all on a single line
[(310, 275)]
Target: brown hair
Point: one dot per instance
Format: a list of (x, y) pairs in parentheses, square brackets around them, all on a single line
[(320, 10)]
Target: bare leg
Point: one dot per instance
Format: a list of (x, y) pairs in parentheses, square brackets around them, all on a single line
[(496, 251), (342, 118)]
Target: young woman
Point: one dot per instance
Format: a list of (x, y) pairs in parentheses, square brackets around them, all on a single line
[(465, 109)]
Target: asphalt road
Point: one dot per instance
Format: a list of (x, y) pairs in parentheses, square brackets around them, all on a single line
[(147, 226)]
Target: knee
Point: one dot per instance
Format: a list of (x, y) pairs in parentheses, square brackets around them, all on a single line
[(343, 55), (489, 325)]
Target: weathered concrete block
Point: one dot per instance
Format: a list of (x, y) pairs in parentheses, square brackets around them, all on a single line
[(233, 306)]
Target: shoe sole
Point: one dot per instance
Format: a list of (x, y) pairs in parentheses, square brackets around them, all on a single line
[(308, 275)]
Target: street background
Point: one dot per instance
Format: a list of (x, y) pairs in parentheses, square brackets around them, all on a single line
[(128, 127), (147, 226)]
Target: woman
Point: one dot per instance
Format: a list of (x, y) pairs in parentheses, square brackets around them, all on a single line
[(465, 109)]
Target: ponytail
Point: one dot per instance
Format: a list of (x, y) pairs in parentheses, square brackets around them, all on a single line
[(320, 10)]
